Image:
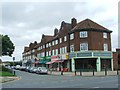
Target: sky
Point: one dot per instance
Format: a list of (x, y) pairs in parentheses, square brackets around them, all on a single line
[(25, 21)]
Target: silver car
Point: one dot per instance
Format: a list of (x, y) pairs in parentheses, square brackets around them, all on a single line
[(42, 70)]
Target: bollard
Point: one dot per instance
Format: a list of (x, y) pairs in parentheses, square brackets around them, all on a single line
[(117, 72), (80, 73), (106, 72), (50, 71), (62, 72), (93, 72), (75, 72), (13, 72)]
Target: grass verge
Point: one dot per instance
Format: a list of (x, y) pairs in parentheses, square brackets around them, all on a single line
[(4, 73)]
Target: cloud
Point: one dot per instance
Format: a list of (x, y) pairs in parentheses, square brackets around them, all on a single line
[(26, 21)]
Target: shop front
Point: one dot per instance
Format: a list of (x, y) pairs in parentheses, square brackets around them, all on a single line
[(44, 60), (91, 60), (59, 62)]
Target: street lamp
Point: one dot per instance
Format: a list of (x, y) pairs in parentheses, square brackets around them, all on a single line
[(61, 64)]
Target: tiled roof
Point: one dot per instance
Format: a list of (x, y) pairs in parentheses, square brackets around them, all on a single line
[(48, 38), (26, 49), (87, 24)]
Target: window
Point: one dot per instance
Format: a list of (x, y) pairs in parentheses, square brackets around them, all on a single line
[(56, 51), (104, 35), (52, 52), (60, 50), (105, 47), (56, 42), (46, 53), (49, 53), (43, 46), (65, 49), (84, 47), (49, 44), (71, 48), (83, 34), (60, 40), (42, 54), (65, 38), (71, 36), (52, 42)]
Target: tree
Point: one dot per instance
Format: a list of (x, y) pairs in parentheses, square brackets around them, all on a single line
[(6, 45)]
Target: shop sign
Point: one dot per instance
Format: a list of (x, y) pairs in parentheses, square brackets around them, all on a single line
[(54, 58)]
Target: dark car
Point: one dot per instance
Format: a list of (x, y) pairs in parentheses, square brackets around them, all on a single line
[(42, 70)]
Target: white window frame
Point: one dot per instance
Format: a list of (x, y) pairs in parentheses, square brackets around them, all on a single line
[(105, 46), (104, 35), (49, 44), (43, 46), (56, 42), (65, 38), (83, 34), (65, 49), (60, 40), (53, 52), (71, 36), (72, 48), (83, 46), (53, 43), (49, 53), (56, 51)]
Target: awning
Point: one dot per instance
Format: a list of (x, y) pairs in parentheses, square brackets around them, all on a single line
[(49, 63), (36, 62), (43, 61)]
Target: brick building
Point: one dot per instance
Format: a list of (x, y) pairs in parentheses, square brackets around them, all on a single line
[(116, 59), (85, 45)]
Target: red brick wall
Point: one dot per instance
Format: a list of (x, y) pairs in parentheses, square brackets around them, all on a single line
[(115, 60)]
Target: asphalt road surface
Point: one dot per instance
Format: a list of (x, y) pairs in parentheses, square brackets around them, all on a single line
[(29, 80)]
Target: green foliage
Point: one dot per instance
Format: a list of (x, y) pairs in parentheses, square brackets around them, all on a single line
[(7, 45), (6, 74), (6, 69)]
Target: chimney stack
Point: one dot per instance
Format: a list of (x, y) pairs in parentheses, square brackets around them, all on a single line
[(73, 22), (55, 31)]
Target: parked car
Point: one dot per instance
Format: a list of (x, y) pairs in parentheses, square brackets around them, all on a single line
[(17, 67), (34, 69), (22, 68), (42, 70), (31, 69), (27, 68)]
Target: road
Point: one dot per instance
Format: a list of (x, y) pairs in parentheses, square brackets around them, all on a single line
[(29, 80)]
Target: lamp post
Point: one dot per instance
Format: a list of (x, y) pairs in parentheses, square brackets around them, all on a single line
[(61, 65), (13, 65)]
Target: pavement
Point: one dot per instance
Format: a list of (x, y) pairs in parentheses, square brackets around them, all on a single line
[(102, 73), (8, 79)]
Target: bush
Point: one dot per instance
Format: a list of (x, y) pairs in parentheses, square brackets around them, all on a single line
[(6, 69)]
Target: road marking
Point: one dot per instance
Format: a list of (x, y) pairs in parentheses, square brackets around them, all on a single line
[(95, 87)]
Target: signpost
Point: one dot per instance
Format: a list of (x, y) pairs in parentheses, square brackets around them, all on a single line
[(13, 65)]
